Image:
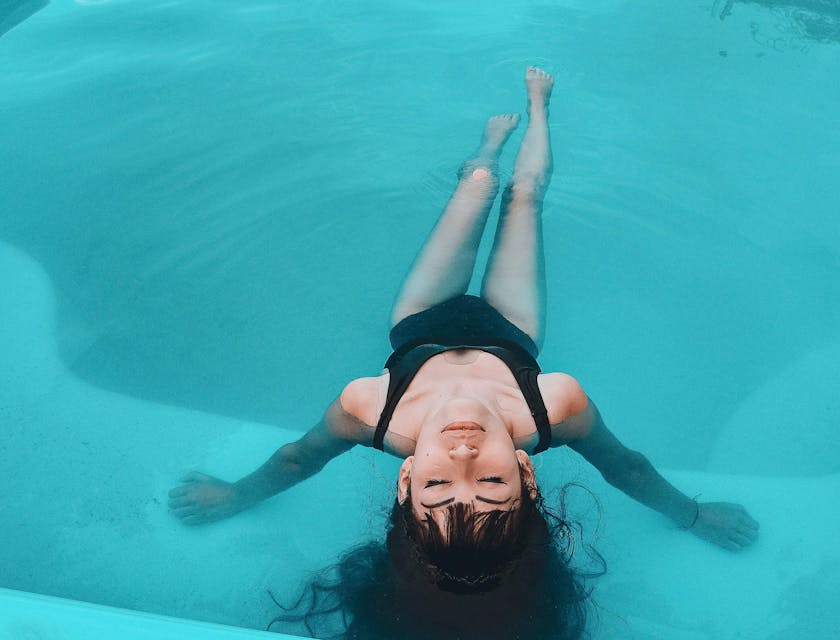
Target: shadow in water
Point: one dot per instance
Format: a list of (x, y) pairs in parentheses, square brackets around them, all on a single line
[(13, 12), (815, 20), (806, 604)]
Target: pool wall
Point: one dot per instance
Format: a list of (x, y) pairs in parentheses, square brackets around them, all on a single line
[(26, 616)]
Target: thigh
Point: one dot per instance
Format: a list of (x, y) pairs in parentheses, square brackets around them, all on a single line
[(514, 282)]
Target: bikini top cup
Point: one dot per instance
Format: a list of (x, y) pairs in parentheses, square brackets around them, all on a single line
[(404, 364)]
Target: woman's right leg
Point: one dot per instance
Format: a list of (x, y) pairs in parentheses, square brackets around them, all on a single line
[(444, 266)]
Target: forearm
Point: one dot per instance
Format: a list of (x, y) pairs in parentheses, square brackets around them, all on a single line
[(285, 468), (637, 477), (203, 498)]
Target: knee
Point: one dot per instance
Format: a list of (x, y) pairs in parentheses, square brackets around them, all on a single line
[(478, 174), (521, 191)]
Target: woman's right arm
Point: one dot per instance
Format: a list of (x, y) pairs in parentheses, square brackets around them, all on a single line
[(202, 498)]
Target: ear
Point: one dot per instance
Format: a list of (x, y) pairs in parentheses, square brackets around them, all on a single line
[(527, 473), (404, 479)]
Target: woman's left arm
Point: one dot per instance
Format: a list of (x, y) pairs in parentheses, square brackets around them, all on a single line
[(725, 524)]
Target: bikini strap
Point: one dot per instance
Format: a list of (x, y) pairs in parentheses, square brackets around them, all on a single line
[(525, 370), (402, 367), (527, 379)]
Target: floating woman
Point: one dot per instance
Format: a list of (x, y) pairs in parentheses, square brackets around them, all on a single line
[(462, 398)]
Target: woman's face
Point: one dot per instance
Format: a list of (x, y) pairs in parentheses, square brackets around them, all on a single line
[(464, 461)]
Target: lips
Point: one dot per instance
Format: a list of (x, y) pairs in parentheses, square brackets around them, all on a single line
[(463, 426)]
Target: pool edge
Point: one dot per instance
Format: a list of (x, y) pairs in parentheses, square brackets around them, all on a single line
[(25, 615)]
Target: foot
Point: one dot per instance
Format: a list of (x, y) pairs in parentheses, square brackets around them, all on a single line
[(497, 130), (539, 85)]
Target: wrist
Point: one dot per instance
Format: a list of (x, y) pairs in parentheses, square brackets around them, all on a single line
[(243, 494), (692, 514)]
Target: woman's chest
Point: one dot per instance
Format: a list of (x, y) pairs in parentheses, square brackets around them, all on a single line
[(465, 385)]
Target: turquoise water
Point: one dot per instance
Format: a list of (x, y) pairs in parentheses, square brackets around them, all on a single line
[(206, 209)]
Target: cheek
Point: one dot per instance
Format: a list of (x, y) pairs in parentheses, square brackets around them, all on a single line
[(503, 461), (426, 453), (502, 450), (428, 462)]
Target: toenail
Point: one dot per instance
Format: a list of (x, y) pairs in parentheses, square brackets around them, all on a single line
[(480, 174)]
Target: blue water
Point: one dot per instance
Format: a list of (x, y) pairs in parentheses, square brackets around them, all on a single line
[(223, 197)]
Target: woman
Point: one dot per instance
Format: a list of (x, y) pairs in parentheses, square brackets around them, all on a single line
[(462, 398)]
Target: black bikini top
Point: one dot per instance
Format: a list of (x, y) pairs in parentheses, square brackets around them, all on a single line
[(404, 365)]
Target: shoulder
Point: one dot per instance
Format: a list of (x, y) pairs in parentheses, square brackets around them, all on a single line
[(563, 396), (360, 398)]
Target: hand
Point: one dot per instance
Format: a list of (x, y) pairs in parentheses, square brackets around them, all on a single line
[(203, 498), (725, 524)]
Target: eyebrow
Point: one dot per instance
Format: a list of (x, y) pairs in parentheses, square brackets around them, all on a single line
[(443, 503)]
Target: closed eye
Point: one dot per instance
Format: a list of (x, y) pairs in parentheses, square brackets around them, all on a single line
[(492, 479), (432, 483)]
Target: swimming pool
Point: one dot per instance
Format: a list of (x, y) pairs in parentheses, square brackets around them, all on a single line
[(206, 210)]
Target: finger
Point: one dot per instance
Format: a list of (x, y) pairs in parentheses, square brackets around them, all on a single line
[(193, 520), (728, 544), (181, 501), (186, 512), (193, 476), (177, 492), (751, 533), (739, 539), (750, 522)]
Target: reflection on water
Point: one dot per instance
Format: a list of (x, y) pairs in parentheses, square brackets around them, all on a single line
[(814, 20), (13, 12)]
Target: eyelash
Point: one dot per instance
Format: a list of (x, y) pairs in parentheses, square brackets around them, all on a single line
[(496, 479)]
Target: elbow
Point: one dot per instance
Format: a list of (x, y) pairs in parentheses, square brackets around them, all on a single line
[(290, 459), (630, 470), (297, 460)]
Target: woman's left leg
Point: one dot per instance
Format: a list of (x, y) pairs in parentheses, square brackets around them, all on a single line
[(514, 282), (444, 266)]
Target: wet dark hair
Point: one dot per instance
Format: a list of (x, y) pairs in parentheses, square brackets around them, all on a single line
[(495, 574)]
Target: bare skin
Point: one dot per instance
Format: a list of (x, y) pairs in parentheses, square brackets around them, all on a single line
[(463, 426)]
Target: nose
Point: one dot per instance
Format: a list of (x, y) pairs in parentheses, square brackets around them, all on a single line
[(463, 452)]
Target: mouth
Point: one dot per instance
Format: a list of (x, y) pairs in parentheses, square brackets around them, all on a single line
[(463, 426)]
